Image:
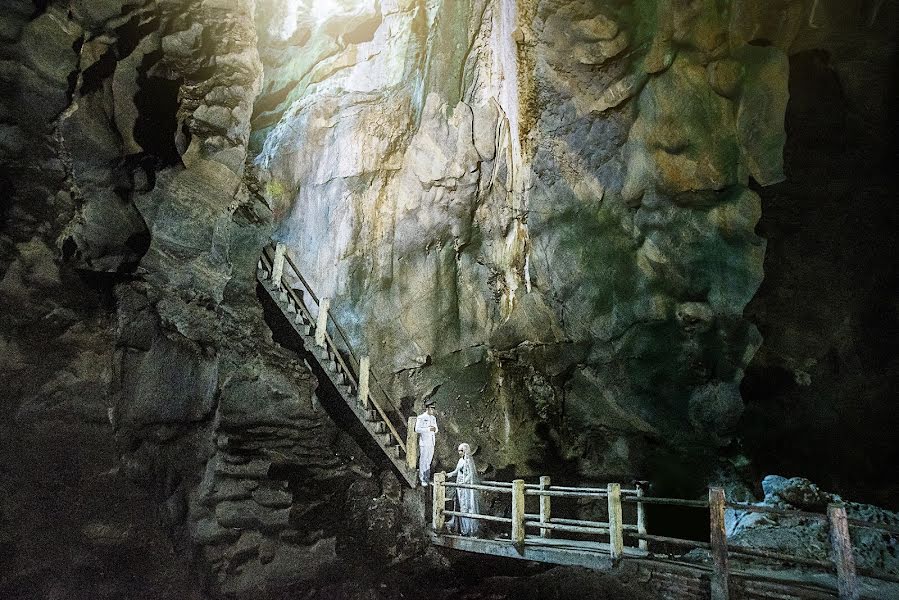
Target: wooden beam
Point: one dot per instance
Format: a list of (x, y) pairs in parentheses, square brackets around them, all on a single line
[(278, 264), (641, 519), (322, 322), (364, 367), (518, 512), (718, 537), (545, 508), (439, 518), (616, 530), (411, 444), (841, 552), (589, 559)]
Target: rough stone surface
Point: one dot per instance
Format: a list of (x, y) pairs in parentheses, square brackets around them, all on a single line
[(586, 178), (809, 538), (546, 215)]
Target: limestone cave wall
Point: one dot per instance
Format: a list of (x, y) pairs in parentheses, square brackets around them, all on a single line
[(612, 239), (539, 214)]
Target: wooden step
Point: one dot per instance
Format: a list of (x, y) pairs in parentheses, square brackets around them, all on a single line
[(294, 310)]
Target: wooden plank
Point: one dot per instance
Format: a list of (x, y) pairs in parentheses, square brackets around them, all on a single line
[(545, 507), (569, 556), (572, 528), (439, 518), (278, 265), (561, 494), (477, 516), (616, 531), (411, 444), (364, 365), (841, 552), (590, 490), (641, 519), (518, 511), (718, 538), (479, 487), (508, 484), (672, 540), (665, 501), (322, 322), (776, 511)]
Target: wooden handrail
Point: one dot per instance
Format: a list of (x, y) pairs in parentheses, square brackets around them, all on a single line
[(602, 524), (345, 338), (456, 513), (787, 558), (666, 501), (775, 511), (349, 372), (477, 486), (562, 494), (296, 270), (842, 562)]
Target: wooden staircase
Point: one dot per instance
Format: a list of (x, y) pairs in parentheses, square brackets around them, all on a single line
[(351, 377)]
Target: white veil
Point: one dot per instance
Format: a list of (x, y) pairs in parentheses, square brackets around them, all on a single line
[(469, 500)]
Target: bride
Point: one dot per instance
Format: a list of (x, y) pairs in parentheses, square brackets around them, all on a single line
[(468, 502)]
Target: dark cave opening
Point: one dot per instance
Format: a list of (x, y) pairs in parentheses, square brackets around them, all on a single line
[(157, 103), (820, 392)]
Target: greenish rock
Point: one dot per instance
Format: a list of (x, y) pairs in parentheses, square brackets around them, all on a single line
[(760, 115)]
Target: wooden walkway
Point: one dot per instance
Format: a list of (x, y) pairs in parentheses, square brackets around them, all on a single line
[(675, 579), (719, 570), (574, 553), (591, 543)]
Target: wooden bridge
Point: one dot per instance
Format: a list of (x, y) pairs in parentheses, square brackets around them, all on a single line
[(594, 544), (617, 540)]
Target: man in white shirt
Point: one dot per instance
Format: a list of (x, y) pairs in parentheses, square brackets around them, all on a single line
[(426, 427)]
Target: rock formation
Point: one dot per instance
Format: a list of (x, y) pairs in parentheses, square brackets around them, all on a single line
[(543, 220), (540, 213)]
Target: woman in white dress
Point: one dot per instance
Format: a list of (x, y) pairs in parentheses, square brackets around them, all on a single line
[(467, 499)]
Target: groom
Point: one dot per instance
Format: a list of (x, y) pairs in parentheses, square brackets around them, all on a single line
[(426, 427)]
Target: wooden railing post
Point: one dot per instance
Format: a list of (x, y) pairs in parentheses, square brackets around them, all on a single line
[(616, 529), (518, 512), (364, 366), (439, 501), (411, 444), (545, 508), (841, 552), (641, 517), (718, 538), (322, 322), (278, 264)]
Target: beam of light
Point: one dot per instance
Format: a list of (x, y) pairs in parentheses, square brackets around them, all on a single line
[(293, 11), (322, 9)]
